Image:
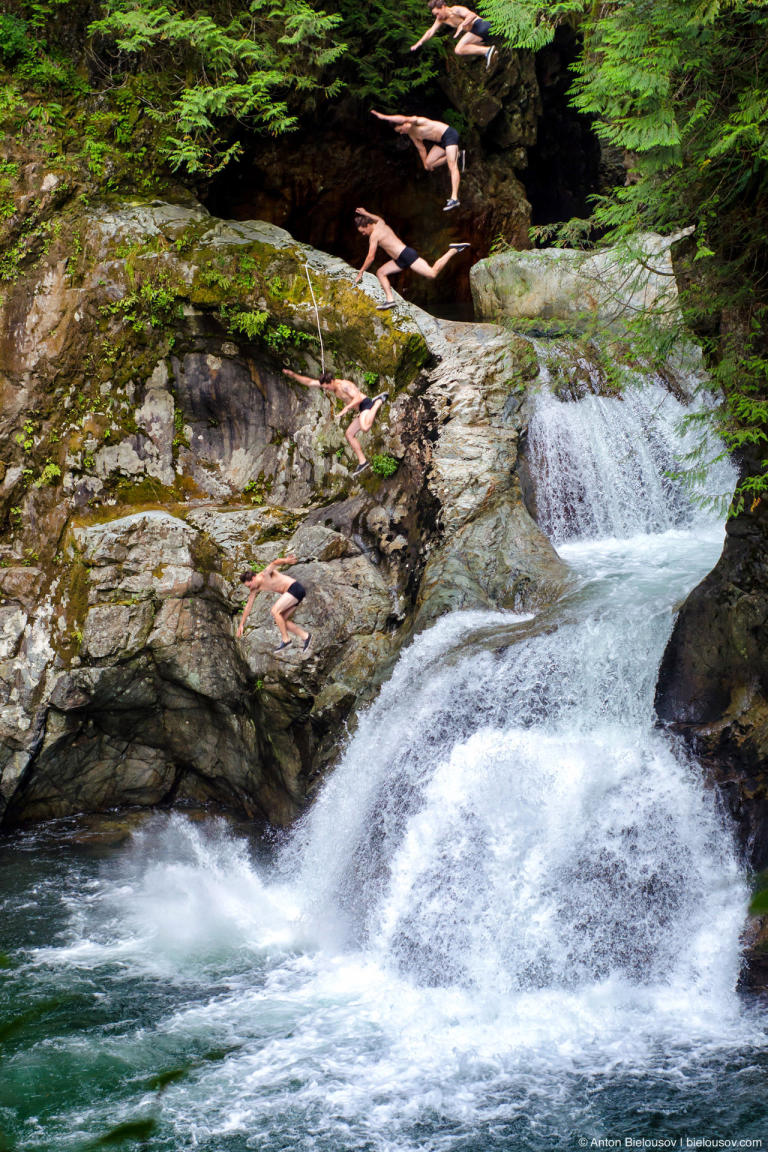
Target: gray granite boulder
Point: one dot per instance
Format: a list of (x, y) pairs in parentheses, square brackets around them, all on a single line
[(567, 290)]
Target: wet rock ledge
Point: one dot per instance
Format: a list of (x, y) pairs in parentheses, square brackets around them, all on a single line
[(152, 449)]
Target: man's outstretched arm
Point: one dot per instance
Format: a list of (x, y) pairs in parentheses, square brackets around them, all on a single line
[(246, 611), (396, 119), (308, 381), (278, 562), (420, 148), (427, 35), (372, 248)]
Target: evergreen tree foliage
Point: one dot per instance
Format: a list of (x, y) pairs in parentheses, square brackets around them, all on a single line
[(682, 87), (378, 68), (205, 76), (235, 65)]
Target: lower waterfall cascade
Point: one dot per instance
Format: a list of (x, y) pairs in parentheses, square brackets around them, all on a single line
[(510, 920)]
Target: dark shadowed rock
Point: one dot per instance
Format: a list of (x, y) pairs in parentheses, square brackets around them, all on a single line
[(713, 681)]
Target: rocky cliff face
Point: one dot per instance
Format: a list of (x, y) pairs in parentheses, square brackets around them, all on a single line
[(713, 682), (152, 449)]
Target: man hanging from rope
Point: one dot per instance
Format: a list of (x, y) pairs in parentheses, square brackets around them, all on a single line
[(379, 233), (350, 394), (444, 150), (290, 595), (474, 32)]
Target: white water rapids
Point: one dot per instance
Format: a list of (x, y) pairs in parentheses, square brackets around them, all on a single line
[(512, 914)]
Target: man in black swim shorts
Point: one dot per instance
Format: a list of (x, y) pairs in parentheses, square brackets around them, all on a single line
[(444, 149), (290, 595), (473, 31), (407, 257), (350, 394), (379, 232)]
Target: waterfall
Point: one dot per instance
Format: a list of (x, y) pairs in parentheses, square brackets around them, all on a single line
[(507, 815), (608, 465), (510, 919)]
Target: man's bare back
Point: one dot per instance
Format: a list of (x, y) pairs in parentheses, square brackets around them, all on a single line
[(453, 15), (383, 235), (456, 14), (271, 581), (348, 391), (420, 128)]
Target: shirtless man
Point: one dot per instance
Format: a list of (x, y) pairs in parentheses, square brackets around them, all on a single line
[(444, 150), (474, 32), (378, 232), (367, 408), (290, 595)]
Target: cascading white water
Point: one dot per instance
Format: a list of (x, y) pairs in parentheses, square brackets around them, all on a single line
[(513, 884), (605, 466)]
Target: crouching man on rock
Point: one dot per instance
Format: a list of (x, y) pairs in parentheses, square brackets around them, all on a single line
[(291, 593)]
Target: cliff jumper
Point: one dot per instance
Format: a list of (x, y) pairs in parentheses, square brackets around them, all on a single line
[(290, 595), (474, 32), (346, 390), (444, 150), (403, 257)]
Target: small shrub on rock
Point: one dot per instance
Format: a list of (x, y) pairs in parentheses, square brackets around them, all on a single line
[(384, 465)]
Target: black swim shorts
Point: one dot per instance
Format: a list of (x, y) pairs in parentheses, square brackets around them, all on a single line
[(297, 590), (450, 136), (406, 258), (481, 28), (365, 404)]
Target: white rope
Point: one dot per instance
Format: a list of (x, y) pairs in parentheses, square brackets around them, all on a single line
[(317, 318)]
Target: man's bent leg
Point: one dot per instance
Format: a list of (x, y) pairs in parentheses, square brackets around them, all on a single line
[(294, 628), (351, 435), (278, 608), (471, 45), (435, 157), (367, 418), (452, 159), (383, 274), (430, 271)]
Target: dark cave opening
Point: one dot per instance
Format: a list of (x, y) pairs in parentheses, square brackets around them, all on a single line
[(568, 163), (530, 160)]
